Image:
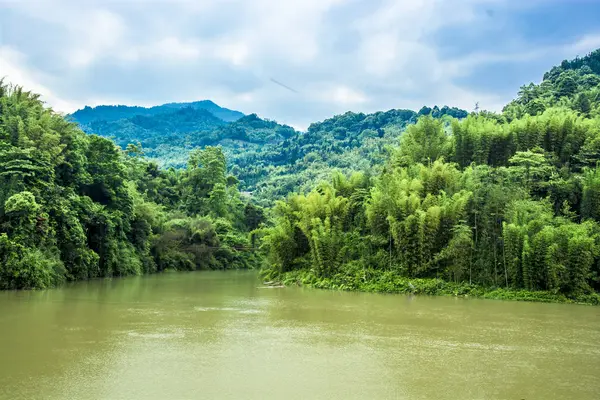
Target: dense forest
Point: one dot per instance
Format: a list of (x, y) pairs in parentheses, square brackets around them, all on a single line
[(505, 201), (435, 201), (75, 206), (269, 159)]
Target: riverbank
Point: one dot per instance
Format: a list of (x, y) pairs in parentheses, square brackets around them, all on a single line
[(388, 282)]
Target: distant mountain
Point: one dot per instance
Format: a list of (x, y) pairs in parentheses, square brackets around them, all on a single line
[(269, 159), (169, 123), (154, 130), (249, 140), (225, 114), (114, 113)]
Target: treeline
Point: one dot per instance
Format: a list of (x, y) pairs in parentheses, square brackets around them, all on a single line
[(75, 206), (268, 158), (347, 142), (574, 84), (480, 201)]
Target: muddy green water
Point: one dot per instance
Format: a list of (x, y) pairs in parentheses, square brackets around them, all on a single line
[(220, 335)]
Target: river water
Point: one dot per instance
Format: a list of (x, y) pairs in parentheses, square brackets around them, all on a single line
[(220, 335)]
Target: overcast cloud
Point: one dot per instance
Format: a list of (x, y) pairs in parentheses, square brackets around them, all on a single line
[(336, 55)]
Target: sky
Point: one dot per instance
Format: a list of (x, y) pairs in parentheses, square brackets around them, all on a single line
[(294, 61)]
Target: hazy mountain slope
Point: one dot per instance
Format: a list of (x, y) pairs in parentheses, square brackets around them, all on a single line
[(114, 113), (270, 159), (154, 130)]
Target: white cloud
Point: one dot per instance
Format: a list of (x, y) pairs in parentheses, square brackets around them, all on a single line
[(582, 46), (288, 28), (13, 69), (345, 96), (465, 65), (245, 97), (95, 34), (169, 49), (379, 51), (234, 52), (339, 55)]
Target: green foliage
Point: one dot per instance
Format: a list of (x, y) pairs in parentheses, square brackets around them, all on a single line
[(507, 203), (574, 84), (488, 205), (590, 202), (374, 280), (75, 206), (423, 142), (28, 268), (269, 160)]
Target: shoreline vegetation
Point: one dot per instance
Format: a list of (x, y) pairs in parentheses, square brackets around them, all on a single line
[(509, 202), (481, 204), (75, 206), (387, 282)]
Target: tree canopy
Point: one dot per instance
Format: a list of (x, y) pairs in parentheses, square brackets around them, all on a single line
[(76, 206), (475, 200)]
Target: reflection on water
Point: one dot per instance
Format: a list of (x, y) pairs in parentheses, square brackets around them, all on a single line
[(220, 335)]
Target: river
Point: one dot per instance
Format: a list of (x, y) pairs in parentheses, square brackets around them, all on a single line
[(221, 335)]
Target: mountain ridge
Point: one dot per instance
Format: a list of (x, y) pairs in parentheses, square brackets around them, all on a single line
[(270, 159), (111, 113)]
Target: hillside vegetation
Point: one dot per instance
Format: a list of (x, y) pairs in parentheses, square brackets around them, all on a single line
[(506, 201), (440, 202), (269, 159), (75, 206)]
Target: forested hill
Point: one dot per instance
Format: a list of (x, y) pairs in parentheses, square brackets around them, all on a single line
[(573, 84), (505, 201), (270, 159), (114, 113), (155, 130), (168, 124)]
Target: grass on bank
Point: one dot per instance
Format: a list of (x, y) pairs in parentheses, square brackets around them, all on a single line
[(376, 281)]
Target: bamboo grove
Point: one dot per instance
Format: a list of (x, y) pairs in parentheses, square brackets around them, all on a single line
[(481, 201)]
